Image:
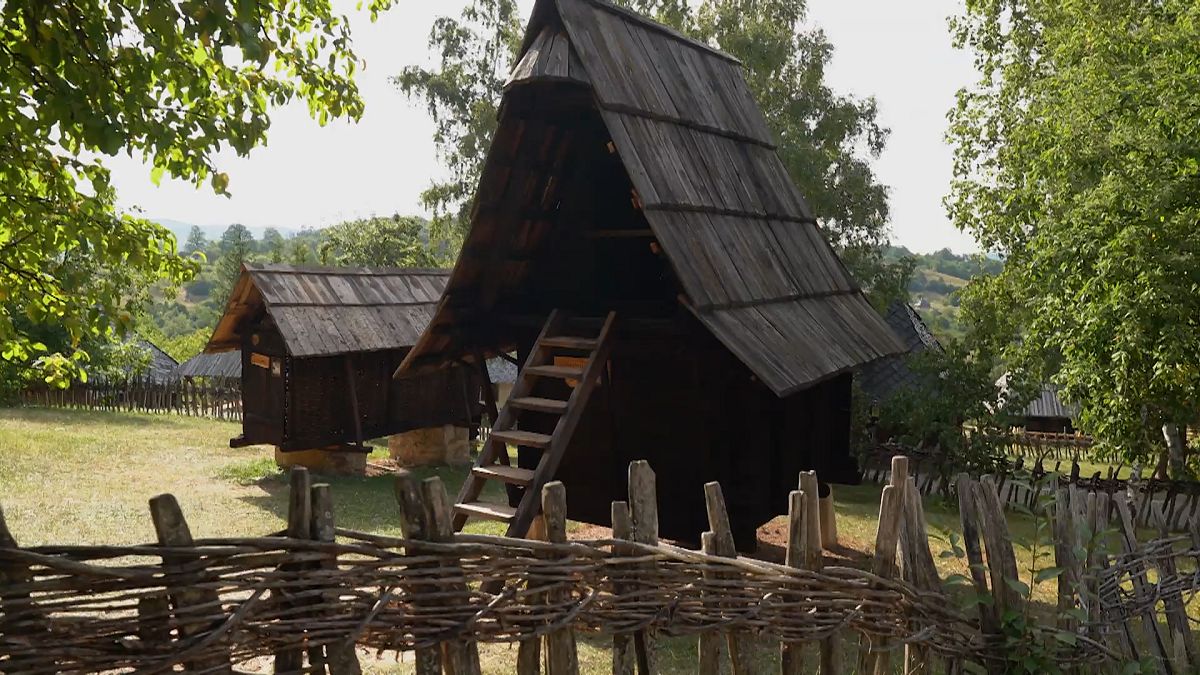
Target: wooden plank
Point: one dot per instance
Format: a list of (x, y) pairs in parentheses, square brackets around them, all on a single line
[(917, 568), (527, 438), (561, 655), (172, 530), (560, 372), (413, 525), (11, 602), (1002, 562), (711, 645), (969, 517), (643, 509), (1153, 637), (340, 656), (829, 650), (1184, 657), (791, 654), (461, 658), (508, 474), (883, 564), (624, 651), (538, 404), (740, 654), (487, 510)]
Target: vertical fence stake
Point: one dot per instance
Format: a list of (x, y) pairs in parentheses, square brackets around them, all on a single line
[(917, 568), (172, 530), (12, 602), (290, 659), (969, 516), (624, 651), (461, 658), (643, 507), (1153, 637), (791, 654), (830, 657), (561, 655), (887, 538), (413, 526), (340, 656), (718, 524), (711, 646)]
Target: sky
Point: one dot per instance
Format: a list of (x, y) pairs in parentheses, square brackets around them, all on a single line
[(312, 176)]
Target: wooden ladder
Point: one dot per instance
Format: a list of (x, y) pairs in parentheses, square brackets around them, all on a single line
[(493, 462)]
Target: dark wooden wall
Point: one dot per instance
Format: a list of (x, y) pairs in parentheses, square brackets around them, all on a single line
[(685, 404), (309, 404)]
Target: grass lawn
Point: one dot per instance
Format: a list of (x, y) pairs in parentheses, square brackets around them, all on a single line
[(85, 478)]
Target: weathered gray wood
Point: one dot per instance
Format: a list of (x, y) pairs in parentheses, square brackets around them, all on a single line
[(413, 525), (459, 658), (969, 516), (883, 564), (830, 657), (829, 533), (711, 645), (791, 654), (1002, 561), (917, 568), (154, 620), (340, 657), (1065, 558), (718, 523), (624, 651), (172, 530), (1184, 657), (1154, 639), (561, 655), (643, 509), (290, 659), (12, 601)]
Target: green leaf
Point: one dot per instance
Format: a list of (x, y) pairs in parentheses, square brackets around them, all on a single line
[(1047, 574)]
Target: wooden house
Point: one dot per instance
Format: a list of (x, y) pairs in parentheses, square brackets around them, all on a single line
[(637, 242), (1046, 411), (884, 378), (318, 348)]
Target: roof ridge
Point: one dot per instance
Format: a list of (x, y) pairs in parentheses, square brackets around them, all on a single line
[(666, 30), (287, 268)]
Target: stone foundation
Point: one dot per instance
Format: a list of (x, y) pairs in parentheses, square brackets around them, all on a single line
[(431, 447), (333, 460)]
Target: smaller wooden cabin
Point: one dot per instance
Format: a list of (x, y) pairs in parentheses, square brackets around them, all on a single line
[(318, 349)]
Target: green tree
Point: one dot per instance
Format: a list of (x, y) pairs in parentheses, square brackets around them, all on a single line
[(273, 245), (196, 241), (1078, 158), (397, 241), (168, 82), (236, 246), (826, 140), (300, 253)]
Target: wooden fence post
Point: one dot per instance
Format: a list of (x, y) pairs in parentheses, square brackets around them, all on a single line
[(1002, 561), (643, 507), (461, 658), (711, 645), (968, 510), (624, 650), (12, 602), (172, 530), (290, 659), (413, 525), (561, 655), (791, 654), (724, 546), (340, 656), (917, 568), (887, 538), (1154, 637), (830, 657)]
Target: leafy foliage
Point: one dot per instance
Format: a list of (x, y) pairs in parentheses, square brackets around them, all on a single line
[(1076, 158), (382, 242), (170, 82), (826, 140)]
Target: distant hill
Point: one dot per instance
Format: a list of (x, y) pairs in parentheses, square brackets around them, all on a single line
[(936, 281)]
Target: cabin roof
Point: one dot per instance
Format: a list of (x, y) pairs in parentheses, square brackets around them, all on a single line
[(219, 365), (885, 377), (1046, 404), (322, 311), (743, 243)]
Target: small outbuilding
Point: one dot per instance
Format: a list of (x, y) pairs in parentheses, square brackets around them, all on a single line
[(887, 377), (638, 243), (318, 347), (222, 367)]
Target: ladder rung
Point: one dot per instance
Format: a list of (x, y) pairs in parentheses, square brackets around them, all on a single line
[(561, 372), (536, 404), (529, 438), (512, 475), (568, 342), (491, 511)]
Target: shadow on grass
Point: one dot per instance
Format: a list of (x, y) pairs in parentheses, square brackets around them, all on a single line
[(364, 504)]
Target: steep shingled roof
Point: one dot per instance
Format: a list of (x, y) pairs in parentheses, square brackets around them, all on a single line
[(886, 377), (322, 311), (738, 235)]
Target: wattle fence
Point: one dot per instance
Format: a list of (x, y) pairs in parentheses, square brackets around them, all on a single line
[(311, 596), (218, 399)]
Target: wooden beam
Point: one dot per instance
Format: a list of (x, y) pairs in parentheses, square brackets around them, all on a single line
[(618, 234), (358, 432)]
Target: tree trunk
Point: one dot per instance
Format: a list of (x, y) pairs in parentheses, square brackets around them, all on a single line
[(1176, 450)]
